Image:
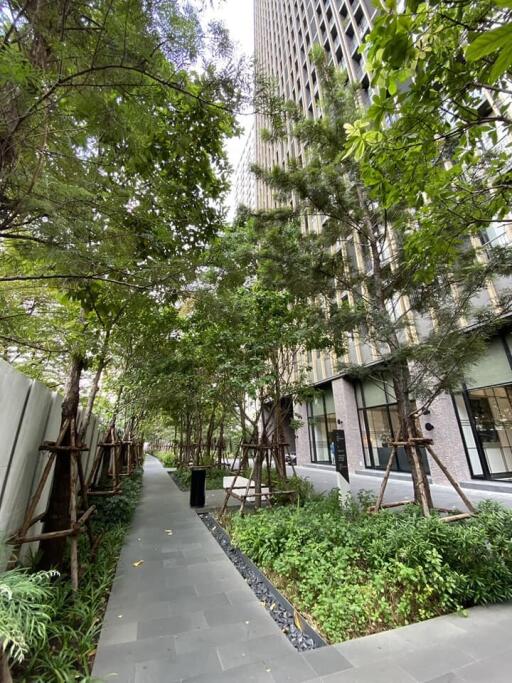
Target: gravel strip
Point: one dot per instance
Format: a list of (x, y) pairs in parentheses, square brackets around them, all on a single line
[(279, 608)]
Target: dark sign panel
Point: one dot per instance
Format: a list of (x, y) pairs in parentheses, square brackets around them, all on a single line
[(340, 452)]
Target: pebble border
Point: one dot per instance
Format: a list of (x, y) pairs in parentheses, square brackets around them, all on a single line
[(279, 608)]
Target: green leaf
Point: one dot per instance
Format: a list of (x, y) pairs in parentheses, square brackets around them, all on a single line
[(502, 63), (489, 42)]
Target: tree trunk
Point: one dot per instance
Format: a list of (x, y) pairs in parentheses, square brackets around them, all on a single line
[(102, 361), (188, 438), (220, 443), (408, 430), (58, 514), (209, 435), (399, 371)]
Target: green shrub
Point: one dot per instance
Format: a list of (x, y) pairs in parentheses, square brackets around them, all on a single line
[(356, 573), (67, 652), (214, 477), (167, 458), (111, 510), (26, 611)]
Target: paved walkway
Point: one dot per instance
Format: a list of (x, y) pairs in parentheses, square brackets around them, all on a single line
[(187, 615), (399, 489)]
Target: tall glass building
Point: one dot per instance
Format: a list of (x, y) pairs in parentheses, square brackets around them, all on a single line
[(473, 427)]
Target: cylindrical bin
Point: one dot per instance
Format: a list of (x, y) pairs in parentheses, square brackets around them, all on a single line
[(197, 487)]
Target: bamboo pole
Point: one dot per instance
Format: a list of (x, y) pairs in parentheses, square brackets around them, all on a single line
[(387, 472), (450, 478)]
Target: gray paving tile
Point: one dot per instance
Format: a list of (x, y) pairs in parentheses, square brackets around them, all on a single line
[(372, 648), (483, 616), (291, 668), (446, 678), (264, 648), (484, 641), (176, 669), (115, 672), (241, 596), (233, 614), (377, 672), (228, 635), (136, 651), (326, 660), (174, 625), (144, 612), (496, 669), (423, 633), (423, 665), (218, 586), (115, 633), (255, 672)]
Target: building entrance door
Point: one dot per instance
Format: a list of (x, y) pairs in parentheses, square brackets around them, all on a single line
[(491, 413)]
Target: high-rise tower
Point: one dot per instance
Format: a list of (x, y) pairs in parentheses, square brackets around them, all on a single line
[(284, 33), (475, 422)]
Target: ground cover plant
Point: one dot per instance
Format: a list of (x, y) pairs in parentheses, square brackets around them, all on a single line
[(62, 648), (167, 458), (215, 479), (354, 573)]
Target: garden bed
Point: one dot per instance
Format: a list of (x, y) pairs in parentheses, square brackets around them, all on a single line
[(63, 646), (214, 478), (178, 481), (353, 574), (280, 609)]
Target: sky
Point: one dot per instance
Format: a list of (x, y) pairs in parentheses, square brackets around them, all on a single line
[(237, 16)]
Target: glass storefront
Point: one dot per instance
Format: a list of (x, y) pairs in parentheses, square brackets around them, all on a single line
[(485, 413), (378, 422), (321, 425)]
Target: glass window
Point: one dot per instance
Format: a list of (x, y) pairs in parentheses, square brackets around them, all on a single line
[(379, 426), (468, 436), (492, 413), (485, 417), (321, 426)]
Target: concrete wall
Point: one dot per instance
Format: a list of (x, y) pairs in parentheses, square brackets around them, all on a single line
[(29, 415)]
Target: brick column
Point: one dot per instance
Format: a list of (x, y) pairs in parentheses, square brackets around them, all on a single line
[(448, 443), (346, 411), (301, 435)]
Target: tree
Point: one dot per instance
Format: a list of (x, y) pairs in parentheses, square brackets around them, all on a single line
[(112, 169), (380, 243)]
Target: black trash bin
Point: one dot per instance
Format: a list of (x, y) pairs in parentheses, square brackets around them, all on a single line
[(197, 487)]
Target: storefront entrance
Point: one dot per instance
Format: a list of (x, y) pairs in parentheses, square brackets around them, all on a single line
[(322, 427), (485, 414), (486, 420)]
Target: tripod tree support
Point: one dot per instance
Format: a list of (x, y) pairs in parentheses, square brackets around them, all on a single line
[(427, 443), (65, 451)]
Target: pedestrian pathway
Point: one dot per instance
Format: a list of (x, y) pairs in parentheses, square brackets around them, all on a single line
[(186, 614), (324, 480)]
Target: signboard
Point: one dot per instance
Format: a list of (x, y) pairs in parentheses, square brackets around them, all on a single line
[(340, 452)]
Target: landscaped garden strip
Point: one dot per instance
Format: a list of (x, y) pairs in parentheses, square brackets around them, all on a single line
[(66, 651), (301, 635), (352, 573)]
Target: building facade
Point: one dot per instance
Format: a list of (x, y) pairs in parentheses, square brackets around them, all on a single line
[(473, 427), (244, 183)]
